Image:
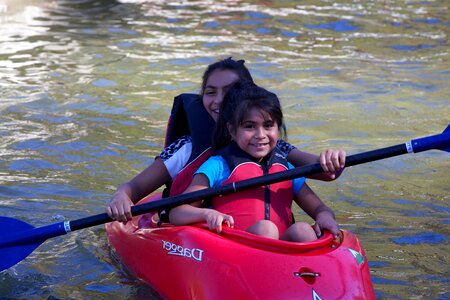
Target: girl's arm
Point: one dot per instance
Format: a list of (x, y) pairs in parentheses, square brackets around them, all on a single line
[(127, 194), (332, 162), (188, 214), (316, 209), (171, 160)]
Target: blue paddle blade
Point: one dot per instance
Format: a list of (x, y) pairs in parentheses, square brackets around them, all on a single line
[(11, 255), (438, 141), (447, 130)]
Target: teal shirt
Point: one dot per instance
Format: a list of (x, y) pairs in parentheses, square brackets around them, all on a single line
[(217, 171)]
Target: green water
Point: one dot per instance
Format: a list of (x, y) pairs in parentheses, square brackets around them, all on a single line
[(86, 88)]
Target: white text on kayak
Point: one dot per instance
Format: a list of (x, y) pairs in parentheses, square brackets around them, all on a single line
[(174, 249)]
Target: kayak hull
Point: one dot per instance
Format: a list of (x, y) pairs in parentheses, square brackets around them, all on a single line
[(191, 262)]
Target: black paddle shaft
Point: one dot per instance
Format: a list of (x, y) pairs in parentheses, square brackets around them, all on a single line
[(304, 171)]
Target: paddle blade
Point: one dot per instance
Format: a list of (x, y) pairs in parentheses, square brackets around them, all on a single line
[(438, 141), (447, 131), (11, 255)]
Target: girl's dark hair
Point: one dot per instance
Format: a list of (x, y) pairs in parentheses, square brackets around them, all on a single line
[(238, 101), (236, 66)]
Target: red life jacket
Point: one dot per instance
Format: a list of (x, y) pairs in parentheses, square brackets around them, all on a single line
[(184, 178), (271, 202), (189, 117)]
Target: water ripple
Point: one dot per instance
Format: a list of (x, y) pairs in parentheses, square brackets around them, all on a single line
[(86, 88)]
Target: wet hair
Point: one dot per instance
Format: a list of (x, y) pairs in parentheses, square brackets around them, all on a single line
[(236, 66), (238, 101)]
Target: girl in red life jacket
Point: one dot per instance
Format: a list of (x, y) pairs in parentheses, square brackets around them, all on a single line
[(245, 140)]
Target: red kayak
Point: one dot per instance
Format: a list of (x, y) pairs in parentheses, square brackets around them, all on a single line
[(192, 262)]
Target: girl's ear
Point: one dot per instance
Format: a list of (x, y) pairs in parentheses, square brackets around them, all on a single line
[(231, 131)]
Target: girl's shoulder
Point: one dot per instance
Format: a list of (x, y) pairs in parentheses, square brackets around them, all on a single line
[(216, 169), (215, 161), (285, 147), (170, 150)]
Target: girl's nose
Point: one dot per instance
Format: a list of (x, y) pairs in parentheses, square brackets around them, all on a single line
[(259, 132), (219, 97)]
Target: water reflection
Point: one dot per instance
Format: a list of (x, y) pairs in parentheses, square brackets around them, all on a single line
[(86, 87)]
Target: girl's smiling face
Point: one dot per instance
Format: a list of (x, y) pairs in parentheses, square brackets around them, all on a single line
[(216, 86), (257, 134)]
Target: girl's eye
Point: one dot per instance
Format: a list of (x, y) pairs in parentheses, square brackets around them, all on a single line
[(269, 124), (248, 125)]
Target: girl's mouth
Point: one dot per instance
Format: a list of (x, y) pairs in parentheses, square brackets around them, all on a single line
[(260, 145)]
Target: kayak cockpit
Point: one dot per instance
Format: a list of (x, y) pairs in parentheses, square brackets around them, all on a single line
[(322, 245)]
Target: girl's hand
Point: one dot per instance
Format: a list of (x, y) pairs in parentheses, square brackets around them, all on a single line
[(215, 219), (119, 208), (325, 220), (332, 162)]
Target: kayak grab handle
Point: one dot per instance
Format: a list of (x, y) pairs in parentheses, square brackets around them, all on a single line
[(308, 275), (304, 274)]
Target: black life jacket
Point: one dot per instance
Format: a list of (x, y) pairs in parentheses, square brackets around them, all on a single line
[(189, 117)]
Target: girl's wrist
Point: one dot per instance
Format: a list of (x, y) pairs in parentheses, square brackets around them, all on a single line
[(323, 209)]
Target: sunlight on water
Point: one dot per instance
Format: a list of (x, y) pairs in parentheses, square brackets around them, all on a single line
[(86, 88)]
